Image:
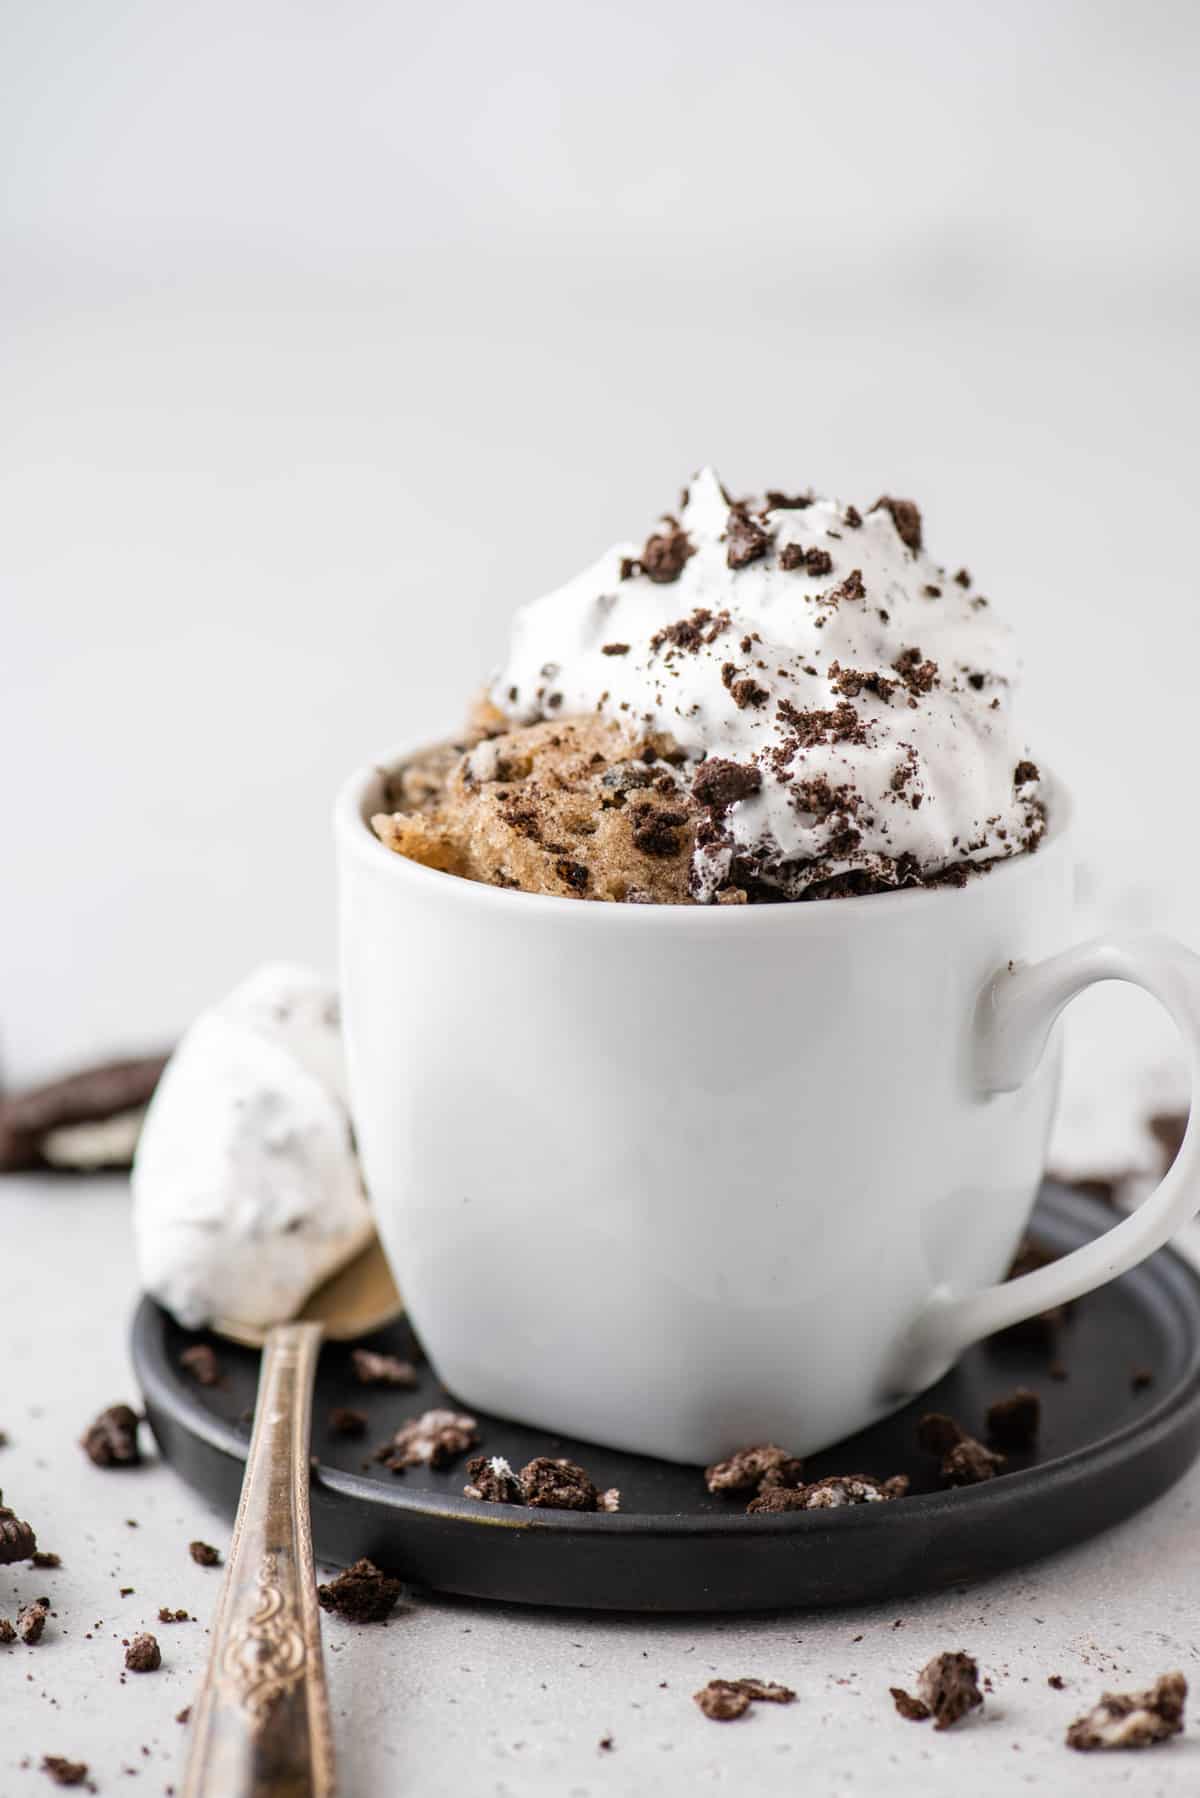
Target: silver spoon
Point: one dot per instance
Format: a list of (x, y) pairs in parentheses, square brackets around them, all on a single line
[(260, 1726)]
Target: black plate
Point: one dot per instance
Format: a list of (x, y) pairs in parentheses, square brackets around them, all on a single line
[(1109, 1444)]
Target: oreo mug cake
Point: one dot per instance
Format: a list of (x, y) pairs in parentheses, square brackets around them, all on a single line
[(774, 698)]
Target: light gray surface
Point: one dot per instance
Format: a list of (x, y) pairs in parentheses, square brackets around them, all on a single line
[(454, 1697)]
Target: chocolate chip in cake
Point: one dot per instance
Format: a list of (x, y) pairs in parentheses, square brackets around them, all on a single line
[(112, 1440), (362, 1594), (372, 1369), (201, 1362), (1132, 1719), (143, 1654), (1013, 1422), (204, 1554)]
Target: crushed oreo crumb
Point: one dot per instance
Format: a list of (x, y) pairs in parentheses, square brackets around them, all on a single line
[(725, 1699), (491, 1479), (828, 1494), (965, 1461), (663, 557), (948, 1686), (1132, 1719), (112, 1440), (143, 1655), (17, 1539), (433, 1439), (43, 1558), (746, 540), (719, 784), (371, 1369), (905, 516), (31, 1620), (614, 649), (64, 1772), (204, 1554), (793, 557), (746, 1470), (1013, 1422), (167, 1615), (343, 1421), (557, 1485), (201, 1362), (913, 1710), (1024, 772), (362, 1594)]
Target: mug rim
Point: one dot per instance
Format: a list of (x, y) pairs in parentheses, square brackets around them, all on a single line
[(357, 840)]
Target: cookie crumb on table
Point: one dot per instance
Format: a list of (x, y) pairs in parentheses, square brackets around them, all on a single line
[(17, 1539), (362, 1594), (112, 1439), (947, 1688), (167, 1615), (64, 1772), (1132, 1719), (143, 1654), (31, 1620), (725, 1699), (204, 1554)]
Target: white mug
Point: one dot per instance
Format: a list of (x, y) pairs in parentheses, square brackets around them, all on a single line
[(676, 1179)]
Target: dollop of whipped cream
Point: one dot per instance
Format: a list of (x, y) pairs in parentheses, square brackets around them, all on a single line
[(246, 1186), (848, 703)]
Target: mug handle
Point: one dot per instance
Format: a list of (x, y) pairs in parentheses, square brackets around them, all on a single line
[(1013, 1020)]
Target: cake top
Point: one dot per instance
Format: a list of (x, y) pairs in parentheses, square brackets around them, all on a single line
[(846, 702)]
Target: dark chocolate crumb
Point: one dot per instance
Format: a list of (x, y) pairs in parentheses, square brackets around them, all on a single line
[(64, 1772), (17, 1539), (343, 1421), (1024, 772), (167, 1615), (615, 649), (112, 1440), (362, 1594), (948, 1686), (725, 1699), (1132, 1719), (969, 1463), (1141, 1378), (184, 1716), (204, 1554), (719, 783), (1057, 1681), (663, 557), (963, 578), (746, 540), (913, 1710), (43, 1558), (906, 517), (1013, 1422), (31, 1620), (853, 517), (143, 1655), (491, 1479), (371, 1369), (746, 1470), (201, 1362), (793, 557), (556, 1485)]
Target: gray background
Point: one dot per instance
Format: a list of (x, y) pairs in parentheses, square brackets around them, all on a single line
[(330, 333)]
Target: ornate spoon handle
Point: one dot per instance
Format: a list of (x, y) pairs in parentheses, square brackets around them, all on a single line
[(261, 1723)]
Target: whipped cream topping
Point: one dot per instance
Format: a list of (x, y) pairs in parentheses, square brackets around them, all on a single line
[(247, 1192), (848, 701)]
